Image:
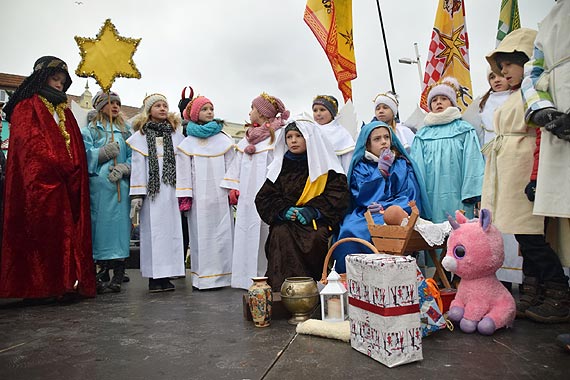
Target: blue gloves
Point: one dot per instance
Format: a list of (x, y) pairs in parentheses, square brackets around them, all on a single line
[(303, 215), (306, 215)]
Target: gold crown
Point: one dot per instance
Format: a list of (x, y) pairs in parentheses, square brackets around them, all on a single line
[(270, 99)]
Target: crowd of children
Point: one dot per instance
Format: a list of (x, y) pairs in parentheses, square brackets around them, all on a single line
[(296, 182)]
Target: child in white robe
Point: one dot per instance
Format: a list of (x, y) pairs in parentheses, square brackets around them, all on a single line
[(244, 178), (153, 191), (206, 155)]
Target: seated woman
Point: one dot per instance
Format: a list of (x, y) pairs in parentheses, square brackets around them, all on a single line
[(303, 198), (381, 175)]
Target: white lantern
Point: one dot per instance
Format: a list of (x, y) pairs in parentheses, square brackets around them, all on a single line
[(333, 299)]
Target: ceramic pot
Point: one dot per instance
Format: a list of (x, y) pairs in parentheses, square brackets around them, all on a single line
[(260, 301), (300, 296)]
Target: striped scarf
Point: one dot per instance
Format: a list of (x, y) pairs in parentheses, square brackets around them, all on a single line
[(152, 130)]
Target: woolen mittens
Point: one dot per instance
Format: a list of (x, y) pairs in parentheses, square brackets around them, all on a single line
[(530, 190), (386, 160), (375, 208), (118, 172), (560, 127), (184, 203), (233, 197), (108, 152)]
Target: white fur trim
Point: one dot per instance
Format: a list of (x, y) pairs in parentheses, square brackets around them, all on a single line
[(445, 117)]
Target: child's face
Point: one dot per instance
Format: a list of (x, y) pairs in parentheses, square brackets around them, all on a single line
[(206, 113), (57, 80), (378, 140), (498, 83), (159, 111), (321, 115), (256, 117), (512, 72), (384, 113), (296, 142), (112, 109), (440, 103)]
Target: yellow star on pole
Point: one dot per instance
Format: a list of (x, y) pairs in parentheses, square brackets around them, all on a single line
[(107, 56), (452, 44)]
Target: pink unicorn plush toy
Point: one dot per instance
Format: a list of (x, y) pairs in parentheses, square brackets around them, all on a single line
[(475, 252)]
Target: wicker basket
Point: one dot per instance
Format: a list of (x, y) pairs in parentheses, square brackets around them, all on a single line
[(331, 250)]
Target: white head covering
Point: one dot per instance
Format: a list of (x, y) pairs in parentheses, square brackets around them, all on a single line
[(320, 153), (389, 99)]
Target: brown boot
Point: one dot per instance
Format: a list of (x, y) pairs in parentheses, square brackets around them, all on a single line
[(554, 308), (529, 295)]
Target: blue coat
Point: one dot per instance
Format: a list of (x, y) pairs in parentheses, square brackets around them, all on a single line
[(450, 161), (110, 221), (367, 185)]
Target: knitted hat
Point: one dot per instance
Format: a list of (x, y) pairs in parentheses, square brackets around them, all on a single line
[(292, 126), (327, 101), (270, 106), (518, 41), (389, 99), (150, 100), (193, 108), (448, 87), (101, 99)]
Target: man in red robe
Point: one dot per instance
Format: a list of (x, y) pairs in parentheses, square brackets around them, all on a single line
[(46, 250)]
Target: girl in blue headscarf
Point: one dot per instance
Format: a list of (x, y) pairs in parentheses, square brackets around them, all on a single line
[(380, 175)]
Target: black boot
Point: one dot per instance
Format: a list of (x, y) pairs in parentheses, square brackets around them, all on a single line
[(529, 295), (554, 308), (155, 285), (102, 276), (118, 274)]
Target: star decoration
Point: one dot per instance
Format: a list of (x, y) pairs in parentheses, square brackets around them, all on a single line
[(348, 40), (452, 44), (107, 56)]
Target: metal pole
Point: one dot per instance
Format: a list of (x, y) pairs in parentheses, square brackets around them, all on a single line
[(385, 46), (421, 74)]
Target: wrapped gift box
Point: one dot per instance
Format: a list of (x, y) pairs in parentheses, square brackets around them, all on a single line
[(384, 308)]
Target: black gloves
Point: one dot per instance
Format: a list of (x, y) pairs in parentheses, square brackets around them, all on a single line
[(545, 116), (530, 190), (560, 127)]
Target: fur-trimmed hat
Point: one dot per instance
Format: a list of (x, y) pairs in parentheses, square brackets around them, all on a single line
[(270, 106), (390, 99), (327, 101), (448, 87), (193, 108), (150, 100), (101, 99), (519, 41)]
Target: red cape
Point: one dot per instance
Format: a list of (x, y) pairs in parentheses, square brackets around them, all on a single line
[(47, 227)]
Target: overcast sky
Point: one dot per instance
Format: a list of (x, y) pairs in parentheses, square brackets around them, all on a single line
[(231, 51)]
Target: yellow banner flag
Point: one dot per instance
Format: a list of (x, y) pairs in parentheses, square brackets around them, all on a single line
[(449, 52), (331, 23)]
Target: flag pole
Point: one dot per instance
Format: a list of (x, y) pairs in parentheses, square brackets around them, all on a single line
[(385, 47)]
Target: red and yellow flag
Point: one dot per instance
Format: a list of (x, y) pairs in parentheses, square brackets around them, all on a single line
[(449, 51), (331, 23)]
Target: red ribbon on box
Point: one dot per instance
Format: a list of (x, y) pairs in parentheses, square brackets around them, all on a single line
[(385, 311)]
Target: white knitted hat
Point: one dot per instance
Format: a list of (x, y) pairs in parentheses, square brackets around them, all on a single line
[(448, 87), (389, 99), (151, 99)]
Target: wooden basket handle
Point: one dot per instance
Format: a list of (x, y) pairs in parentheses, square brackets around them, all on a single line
[(332, 248)]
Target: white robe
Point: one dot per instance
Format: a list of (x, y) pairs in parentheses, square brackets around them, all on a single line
[(247, 174), (199, 170), (341, 141), (161, 253)]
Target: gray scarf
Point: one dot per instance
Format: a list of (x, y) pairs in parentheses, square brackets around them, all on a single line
[(152, 130)]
